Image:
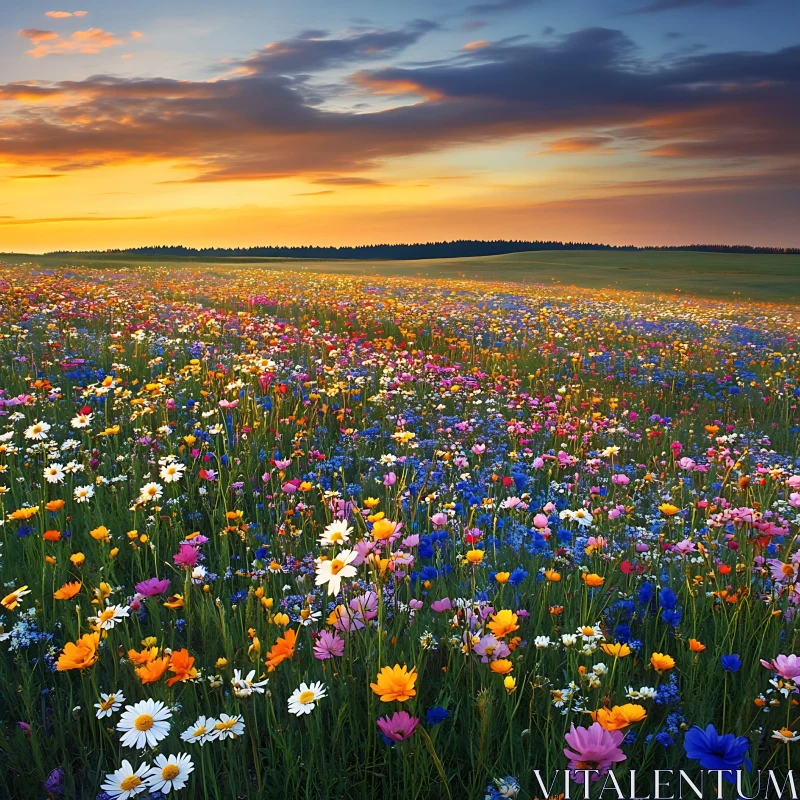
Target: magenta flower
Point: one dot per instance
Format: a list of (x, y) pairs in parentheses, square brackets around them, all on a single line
[(788, 667), (593, 748), (152, 587), (328, 645), (440, 606), (187, 556), (399, 726)]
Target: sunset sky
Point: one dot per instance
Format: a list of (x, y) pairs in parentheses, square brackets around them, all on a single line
[(316, 122)]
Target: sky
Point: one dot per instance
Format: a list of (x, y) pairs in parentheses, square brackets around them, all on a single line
[(262, 122)]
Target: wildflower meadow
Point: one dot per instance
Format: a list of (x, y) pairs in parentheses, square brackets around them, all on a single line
[(270, 533)]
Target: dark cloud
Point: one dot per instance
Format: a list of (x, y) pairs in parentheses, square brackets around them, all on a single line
[(499, 6), (587, 89), (669, 5)]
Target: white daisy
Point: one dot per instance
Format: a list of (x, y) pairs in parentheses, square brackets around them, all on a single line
[(227, 728), (172, 472), (81, 421), (786, 735), (168, 773), (37, 432), (150, 491), (83, 494), (54, 473), (109, 617), (109, 704), (199, 732), (332, 571), (124, 782), (244, 687), (144, 724), (304, 699), (338, 532)]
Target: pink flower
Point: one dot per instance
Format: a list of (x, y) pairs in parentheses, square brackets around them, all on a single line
[(400, 726), (794, 500), (439, 519), (593, 748), (152, 587), (187, 556), (228, 403), (540, 521), (282, 463), (441, 606), (328, 645), (620, 479), (788, 667), (390, 479), (479, 449)]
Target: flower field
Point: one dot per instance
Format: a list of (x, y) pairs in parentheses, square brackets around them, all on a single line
[(269, 534)]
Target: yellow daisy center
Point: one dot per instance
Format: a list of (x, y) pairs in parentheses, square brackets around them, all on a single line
[(225, 725), (131, 782), (306, 697), (143, 722), (106, 704), (170, 771), (337, 566), (201, 731)]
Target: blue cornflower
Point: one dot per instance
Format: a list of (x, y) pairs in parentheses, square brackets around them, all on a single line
[(436, 715), (715, 751), (731, 663)]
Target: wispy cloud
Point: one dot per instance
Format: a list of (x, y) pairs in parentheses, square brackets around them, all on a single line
[(49, 43), (65, 14)]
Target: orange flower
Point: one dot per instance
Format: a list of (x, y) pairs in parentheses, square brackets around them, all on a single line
[(174, 601), (67, 591), (51, 536), (593, 579), (661, 662), (55, 505), (668, 510), (80, 654), (552, 575), (382, 529), (619, 717), (502, 666), (153, 670), (143, 657), (99, 534), (282, 649), (24, 514), (696, 646), (395, 683), (182, 664), (619, 650), (474, 557), (503, 623), (77, 559)]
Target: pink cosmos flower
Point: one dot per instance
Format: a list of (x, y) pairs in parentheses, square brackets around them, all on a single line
[(788, 667), (187, 556), (441, 606), (592, 748), (328, 645), (389, 479), (152, 587), (399, 727)]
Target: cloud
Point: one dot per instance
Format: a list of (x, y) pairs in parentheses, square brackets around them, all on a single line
[(65, 14), (499, 6), (478, 44), (48, 220), (88, 42), (136, 34), (669, 5), (576, 91)]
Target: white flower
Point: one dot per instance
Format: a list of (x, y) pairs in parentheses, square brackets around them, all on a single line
[(109, 617), (332, 571), (785, 735), (542, 642), (37, 432), (600, 669), (144, 724), (569, 639), (226, 728), (338, 532), (304, 699), (83, 494), (199, 732), (168, 773), (150, 491), (172, 472), (645, 693), (54, 473), (124, 782), (244, 687), (109, 704), (81, 421)]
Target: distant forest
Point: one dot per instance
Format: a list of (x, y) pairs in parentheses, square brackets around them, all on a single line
[(460, 248)]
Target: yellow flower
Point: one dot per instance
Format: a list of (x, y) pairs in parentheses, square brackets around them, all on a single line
[(382, 529), (510, 684), (593, 579), (222, 663), (502, 623), (11, 601), (502, 577), (619, 650), (99, 534), (281, 619), (474, 557), (395, 683), (24, 514), (668, 510), (661, 662), (77, 559), (552, 575)]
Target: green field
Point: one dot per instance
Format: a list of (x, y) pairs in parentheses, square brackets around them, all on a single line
[(768, 278)]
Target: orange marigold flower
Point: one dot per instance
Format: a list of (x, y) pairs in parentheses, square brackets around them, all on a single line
[(620, 649), (502, 666), (55, 505), (51, 536), (182, 664), (474, 557), (144, 656), (661, 662), (382, 529), (80, 654), (619, 717), (67, 591), (503, 623), (696, 646), (99, 534), (153, 670), (552, 575), (593, 579), (24, 514), (395, 683), (282, 649)]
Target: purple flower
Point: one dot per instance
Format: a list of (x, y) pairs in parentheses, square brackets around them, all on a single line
[(399, 727), (152, 587), (187, 556), (54, 784), (592, 748)]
